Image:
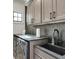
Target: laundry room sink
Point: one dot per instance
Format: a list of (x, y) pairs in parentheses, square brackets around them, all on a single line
[(55, 49)]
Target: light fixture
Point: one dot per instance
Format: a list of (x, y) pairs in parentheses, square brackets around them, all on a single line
[(26, 1)]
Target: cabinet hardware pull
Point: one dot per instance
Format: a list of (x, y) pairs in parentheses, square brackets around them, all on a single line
[(50, 15), (54, 14), (32, 20)]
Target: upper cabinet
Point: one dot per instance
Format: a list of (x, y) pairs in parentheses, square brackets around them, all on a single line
[(53, 10), (45, 11), (47, 7), (37, 11), (34, 12), (60, 11), (30, 13)]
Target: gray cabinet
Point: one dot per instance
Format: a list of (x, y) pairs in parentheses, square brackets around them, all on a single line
[(30, 13), (60, 11), (45, 11), (47, 7), (53, 10), (32, 47), (34, 12), (37, 11), (39, 54)]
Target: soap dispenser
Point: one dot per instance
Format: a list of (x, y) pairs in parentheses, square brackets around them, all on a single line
[(37, 32)]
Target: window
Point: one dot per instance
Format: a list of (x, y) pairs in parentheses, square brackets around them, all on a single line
[(17, 17)]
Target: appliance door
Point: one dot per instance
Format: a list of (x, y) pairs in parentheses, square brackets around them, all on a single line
[(21, 49)]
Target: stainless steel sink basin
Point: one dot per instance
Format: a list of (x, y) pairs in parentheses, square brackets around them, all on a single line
[(55, 49)]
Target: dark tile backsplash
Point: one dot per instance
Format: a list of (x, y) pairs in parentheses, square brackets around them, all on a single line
[(49, 29)]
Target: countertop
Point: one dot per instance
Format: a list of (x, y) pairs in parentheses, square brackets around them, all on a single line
[(29, 37)]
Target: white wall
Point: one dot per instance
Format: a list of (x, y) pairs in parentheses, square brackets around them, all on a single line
[(19, 7)]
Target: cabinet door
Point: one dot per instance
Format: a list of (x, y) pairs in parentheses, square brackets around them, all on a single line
[(43, 55), (37, 57), (47, 6), (60, 12), (30, 13), (47, 56), (37, 11)]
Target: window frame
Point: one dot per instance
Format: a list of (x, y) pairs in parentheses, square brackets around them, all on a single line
[(17, 16)]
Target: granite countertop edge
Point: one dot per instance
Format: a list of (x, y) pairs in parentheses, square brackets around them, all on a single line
[(37, 38)]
